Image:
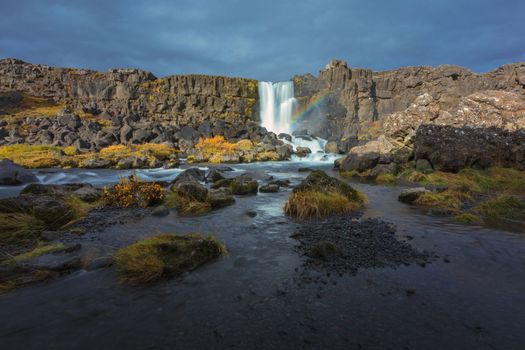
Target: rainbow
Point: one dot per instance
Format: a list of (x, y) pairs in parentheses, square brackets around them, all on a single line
[(301, 112)]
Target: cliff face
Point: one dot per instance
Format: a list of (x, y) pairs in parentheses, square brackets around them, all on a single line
[(180, 99), (352, 102)]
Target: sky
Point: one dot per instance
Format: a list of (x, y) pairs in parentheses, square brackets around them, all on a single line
[(268, 40)]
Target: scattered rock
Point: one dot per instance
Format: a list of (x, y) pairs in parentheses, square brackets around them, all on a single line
[(160, 211), (219, 198), (12, 174), (243, 184), (269, 188), (410, 195)]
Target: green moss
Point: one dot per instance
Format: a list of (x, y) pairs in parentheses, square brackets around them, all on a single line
[(449, 200), (19, 228), (468, 218), (6, 287), (165, 255), (39, 250), (385, 178), (186, 206), (350, 174), (79, 208), (241, 186), (501, 207)]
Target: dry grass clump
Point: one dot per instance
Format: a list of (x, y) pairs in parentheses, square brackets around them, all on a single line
[(266, 156), (165, 255), (503, 186), (449, 200), (314, 204), (214, 145), (20, 228), (32, 106), (39, 250), (215, 149), (320, 195), (132, 191), (146, 150), (32, 156), (501, 207)]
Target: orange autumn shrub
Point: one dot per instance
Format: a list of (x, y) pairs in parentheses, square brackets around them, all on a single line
[(132, 192)]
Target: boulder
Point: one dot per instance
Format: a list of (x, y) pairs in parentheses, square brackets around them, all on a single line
[(450, 148), (88, 193), (331, 147), (191, 189), (382, 169), (280, 183), (160, 211), (97, 163), (12, 174), (423, 165), (214, 175), (410, 195), (269, 188), (284, 136), (243, 184), (302, 151), (284, 151), (219, 198), (367, 156), (191, 174)]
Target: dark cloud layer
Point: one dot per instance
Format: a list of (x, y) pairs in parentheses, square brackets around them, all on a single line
[(267, 40)]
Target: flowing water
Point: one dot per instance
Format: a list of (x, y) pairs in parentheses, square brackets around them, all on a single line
[(471, 297)]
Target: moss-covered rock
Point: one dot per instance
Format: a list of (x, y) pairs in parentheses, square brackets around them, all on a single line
[(220, 198), (242, 185), (320, 195), (165, 255)]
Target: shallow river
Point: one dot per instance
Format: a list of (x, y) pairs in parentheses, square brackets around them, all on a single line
[(471, 297)]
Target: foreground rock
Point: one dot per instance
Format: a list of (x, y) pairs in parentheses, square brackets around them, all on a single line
[(411, 195), (344, 244), (165, 256)]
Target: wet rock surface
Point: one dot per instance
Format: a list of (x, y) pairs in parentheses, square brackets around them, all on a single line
[(345, 244)]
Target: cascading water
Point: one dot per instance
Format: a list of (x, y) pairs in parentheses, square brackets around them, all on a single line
[(277, 106)]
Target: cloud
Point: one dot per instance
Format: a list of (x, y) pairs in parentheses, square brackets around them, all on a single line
[(267, 40)]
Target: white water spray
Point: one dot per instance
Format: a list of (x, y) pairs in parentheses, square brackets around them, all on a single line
[(277, 105)]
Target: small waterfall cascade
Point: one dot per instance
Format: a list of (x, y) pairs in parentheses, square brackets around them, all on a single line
[(277, 107)]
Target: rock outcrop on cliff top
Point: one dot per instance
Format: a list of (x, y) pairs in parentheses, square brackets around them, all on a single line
[(351, 103)]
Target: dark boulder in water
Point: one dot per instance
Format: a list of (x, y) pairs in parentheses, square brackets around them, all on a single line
[(12, 174)]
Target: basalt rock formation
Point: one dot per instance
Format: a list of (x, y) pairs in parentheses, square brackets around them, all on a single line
[(353, 102), (178, 99), (485, 129)]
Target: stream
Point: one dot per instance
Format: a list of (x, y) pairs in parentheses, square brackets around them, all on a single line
[(472, 295)]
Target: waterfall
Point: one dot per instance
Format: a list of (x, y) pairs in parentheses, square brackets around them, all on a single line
[(277, 104)]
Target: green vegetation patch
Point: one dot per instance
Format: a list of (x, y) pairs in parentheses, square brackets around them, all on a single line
[(165, 255), (320, 195)]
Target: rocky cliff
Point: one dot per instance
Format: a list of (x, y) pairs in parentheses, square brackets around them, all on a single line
[(352, 103), (178, 99)]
